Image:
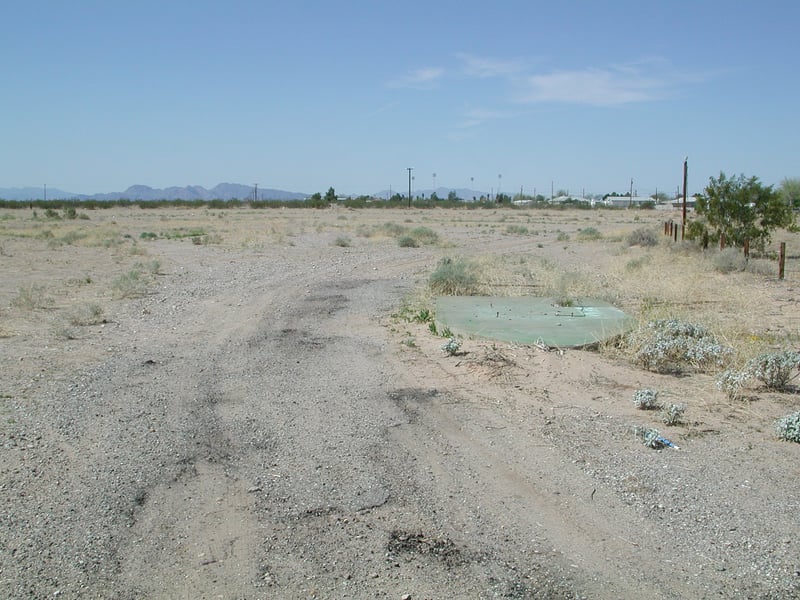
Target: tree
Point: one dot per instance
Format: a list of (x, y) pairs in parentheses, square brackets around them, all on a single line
[(790, 192), (316, 201), (330, 195), (742, 209)]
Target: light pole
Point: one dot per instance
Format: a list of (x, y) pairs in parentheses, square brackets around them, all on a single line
[(685, 178), (499, 177), (434, 183), (409, 169)]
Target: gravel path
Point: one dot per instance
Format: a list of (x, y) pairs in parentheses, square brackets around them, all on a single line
[(255, 430)]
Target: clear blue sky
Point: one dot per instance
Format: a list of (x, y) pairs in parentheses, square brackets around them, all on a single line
[(301, 96)]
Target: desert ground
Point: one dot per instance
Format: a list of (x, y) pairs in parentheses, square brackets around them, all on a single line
[(242, 403)]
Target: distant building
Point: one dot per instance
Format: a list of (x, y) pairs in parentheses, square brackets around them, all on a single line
[(624, 201)]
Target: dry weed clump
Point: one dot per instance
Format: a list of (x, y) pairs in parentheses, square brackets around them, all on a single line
[(32, 297), (129, 285), (644, 237), (86, 314)]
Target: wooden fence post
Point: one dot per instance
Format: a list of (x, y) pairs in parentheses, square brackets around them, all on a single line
[(782, 261)]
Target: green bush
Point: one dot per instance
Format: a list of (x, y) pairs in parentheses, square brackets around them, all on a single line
[(454, 277), (589, 234), (408, 242), (425, 235), (342, 241)]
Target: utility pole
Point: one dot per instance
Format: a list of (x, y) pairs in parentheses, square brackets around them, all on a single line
[(685, 178), (45, 192), (255, 193), (630, 194), (409, 169)]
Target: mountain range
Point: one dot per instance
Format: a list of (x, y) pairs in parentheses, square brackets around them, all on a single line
[(223, 191)]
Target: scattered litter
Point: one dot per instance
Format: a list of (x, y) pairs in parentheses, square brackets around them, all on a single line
[(652, 438)]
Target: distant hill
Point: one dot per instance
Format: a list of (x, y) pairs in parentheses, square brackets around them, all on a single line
[(223, 191)]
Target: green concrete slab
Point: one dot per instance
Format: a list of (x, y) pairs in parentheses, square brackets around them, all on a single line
[(530, 320)]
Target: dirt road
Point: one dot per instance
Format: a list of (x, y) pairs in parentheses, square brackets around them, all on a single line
[(254, 428)]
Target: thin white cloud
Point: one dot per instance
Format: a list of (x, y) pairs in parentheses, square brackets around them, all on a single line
[(477, 116), (420, 78), (476, 66), (598, 87)]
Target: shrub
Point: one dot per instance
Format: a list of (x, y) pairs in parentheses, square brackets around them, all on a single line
[(408, 242), (87, 314), (153, 267), (342, 241), (394, 230), (645, 399), (635, 264), (642, 237), (129, 285), (147, 235), (562, 236), (454, 277), (451, 346), (517, 229), (588, 234), (32, 297), (672, 414), (729, 260), (731, 382), (425, 235), (669, 344), (774, 369), (788, 427)]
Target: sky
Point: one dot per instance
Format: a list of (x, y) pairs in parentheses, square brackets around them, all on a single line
[(302, 96)]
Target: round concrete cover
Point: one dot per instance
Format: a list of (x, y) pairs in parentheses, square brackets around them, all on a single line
[(531, 320)]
